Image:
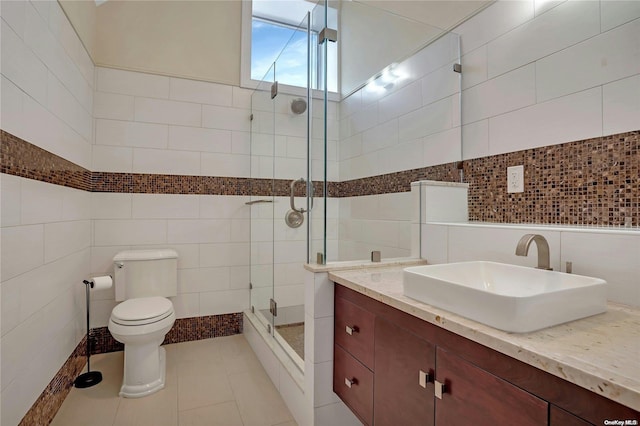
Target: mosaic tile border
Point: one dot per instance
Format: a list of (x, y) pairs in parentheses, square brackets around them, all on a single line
[(20, 158), (50, 400), (592, 182), (184, 330)]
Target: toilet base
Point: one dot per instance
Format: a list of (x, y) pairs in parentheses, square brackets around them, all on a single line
[(147, 380)]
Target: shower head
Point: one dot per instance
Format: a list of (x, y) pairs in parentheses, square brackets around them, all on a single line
[(298, 106)]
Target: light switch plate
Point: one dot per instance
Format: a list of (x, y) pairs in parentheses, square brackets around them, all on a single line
[(515, 179)]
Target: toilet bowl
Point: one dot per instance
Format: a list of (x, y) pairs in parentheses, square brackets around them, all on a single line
[(141, 324), (143, 279)]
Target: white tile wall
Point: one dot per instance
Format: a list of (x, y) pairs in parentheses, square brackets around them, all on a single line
[(45, 256), (375, 222), (47, 79), (534, 75), (569, 118), (590, 251), (129, 133), (561, 27), (596, 61), (621, 105), (210, 233), (177, 126)]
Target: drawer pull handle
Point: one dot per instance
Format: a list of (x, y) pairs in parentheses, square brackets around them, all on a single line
[(350, 382), (351, 330), (423, 378), (440, 389)]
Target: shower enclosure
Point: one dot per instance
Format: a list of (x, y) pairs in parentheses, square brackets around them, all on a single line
[(297, 216), (288, 172)]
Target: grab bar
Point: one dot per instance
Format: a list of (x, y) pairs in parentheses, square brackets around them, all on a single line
[(250, 203), (292, 200)]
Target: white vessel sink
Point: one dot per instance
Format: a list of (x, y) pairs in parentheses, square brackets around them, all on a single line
[(507, 297)]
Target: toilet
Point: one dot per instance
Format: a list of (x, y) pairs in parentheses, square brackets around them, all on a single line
[(143, 279)]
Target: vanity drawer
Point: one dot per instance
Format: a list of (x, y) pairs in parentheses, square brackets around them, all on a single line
[(353, 383), (354, 330)]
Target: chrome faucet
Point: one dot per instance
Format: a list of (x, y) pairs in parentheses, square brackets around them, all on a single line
[(543, 249)]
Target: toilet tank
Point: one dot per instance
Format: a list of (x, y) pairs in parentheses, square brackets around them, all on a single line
[(145, 273)]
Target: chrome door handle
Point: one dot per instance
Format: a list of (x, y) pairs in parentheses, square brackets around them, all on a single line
[(440, 389), (350, 382), (351, 330), (292, 200), (423, 378)]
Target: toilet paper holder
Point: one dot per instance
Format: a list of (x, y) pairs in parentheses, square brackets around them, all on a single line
[(90, 378)]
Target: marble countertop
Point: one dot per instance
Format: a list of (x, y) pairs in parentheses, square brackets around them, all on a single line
[(600, 353)]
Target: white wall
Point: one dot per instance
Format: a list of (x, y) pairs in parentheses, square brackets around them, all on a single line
[(613, 255), (156, 124), (415, 124), (534, 74), (375, 222), (537, 74), (199, 39), (47, 97), (160, 125)]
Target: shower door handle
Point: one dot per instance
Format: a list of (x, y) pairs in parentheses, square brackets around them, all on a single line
[(292, 200)]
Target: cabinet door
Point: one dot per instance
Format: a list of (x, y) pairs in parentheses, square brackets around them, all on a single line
[(353, 383), (473, 396), (402, 395)]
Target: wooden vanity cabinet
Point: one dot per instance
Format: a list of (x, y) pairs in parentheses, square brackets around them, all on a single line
[(409, 357), (353, 358)]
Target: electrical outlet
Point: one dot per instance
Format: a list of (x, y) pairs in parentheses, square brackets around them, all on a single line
[(515, 179)]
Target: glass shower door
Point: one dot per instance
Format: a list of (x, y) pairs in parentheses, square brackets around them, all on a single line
[(262, 199), (279, 184)]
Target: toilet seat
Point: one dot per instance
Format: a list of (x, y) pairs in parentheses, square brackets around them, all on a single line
[(142, 311)]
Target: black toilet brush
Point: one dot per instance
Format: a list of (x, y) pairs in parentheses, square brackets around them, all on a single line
[(90, 378)]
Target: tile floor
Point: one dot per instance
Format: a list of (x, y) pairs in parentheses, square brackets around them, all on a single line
[(209, 382)]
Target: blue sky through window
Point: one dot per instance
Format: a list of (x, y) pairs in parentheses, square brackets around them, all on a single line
[(267, 42)]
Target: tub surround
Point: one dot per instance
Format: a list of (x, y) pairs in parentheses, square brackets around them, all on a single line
[(598, 353)]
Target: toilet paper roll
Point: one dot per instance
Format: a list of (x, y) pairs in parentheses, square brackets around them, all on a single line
[(102, 283)]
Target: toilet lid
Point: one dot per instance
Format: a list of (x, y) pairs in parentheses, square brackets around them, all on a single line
[(142, 310)]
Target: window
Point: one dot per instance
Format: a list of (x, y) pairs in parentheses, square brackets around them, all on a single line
[(276, 31)]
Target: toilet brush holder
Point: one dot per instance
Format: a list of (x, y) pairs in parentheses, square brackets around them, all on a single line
[(90, 378)]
